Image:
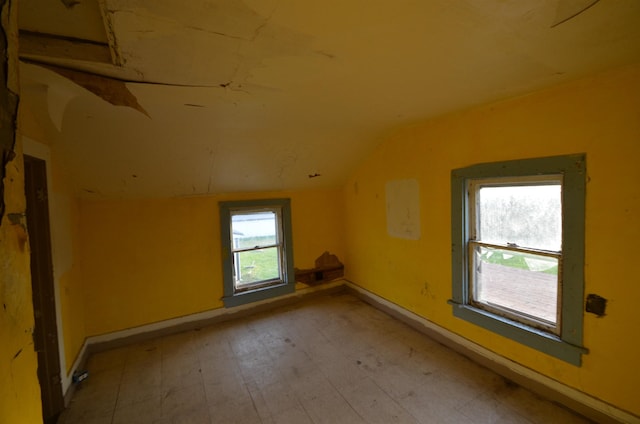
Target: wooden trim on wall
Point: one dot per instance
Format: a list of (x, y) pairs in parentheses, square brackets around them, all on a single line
[(548, 388), (559, 393)]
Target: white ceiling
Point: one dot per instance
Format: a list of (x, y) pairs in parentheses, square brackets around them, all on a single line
[(258, 95)]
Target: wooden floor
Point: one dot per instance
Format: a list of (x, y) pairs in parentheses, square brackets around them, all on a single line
[(328, 359)]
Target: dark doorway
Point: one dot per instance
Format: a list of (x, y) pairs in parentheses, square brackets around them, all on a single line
[(45, 335)]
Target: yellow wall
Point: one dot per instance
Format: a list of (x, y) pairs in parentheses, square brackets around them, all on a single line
[(145, 261), (599, 116), (65, 227), (19, 387)]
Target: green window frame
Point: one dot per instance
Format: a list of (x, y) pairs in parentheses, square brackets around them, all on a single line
[(564, 338), (278, 246)]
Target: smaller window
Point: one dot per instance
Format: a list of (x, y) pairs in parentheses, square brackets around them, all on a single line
[(257, 252)]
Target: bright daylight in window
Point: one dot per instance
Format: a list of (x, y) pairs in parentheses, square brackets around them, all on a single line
[(257, 249), (515, 249)]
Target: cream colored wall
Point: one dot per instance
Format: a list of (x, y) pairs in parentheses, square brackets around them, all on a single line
[(145, 261), (599, 116)]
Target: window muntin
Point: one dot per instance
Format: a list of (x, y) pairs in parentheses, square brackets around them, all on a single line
[(499, 284), (257, 248), (515, 248)]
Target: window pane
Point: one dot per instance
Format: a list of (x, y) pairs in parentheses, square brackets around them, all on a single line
[(518, 281), (254, 266), (254, 229), (527, 215)]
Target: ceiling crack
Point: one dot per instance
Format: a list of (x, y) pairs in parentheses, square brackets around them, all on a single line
[(260, 27), (221, 34), (257, 31), (213, 153)]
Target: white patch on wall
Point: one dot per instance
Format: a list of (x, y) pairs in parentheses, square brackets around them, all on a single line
[(403, 209)]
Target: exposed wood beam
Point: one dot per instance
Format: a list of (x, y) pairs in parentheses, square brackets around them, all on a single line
[(111, 71), (34, 45)]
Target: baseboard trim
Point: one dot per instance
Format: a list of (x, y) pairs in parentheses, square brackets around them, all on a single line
[(202, 319), (580, 402), (69, 387), (176, 325)]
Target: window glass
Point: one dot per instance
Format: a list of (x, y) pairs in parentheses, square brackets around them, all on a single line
[(256, 266), (525, 215), (516, 222), (519, 283), (254, 229), (256, 248)]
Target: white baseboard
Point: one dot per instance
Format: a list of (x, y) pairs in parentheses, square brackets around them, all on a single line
[(68, 387), (587, 405)]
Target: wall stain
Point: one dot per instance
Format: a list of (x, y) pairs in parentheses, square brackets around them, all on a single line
[(17, 221), (426, 291), (15, 218), (70, 4), (325, 54), (596, 305)]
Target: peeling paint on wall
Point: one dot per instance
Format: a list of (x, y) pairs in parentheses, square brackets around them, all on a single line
[(20, 400), (18, 222), (8, 114)]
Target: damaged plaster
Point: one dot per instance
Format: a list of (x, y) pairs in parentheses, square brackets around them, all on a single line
[(18, 221), (244, 39), (8, 111), (114, 48), (20, 400), (109, 89)]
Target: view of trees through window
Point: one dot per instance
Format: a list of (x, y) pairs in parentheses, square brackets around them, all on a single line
[(516, 249), (528, 216)]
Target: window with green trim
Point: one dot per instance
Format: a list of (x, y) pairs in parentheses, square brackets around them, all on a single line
[(256, 249), (518, 251)]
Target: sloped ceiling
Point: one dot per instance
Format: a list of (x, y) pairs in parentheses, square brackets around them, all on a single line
[(261, 95)]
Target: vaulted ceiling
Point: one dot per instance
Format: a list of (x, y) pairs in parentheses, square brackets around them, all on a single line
[(148, 98)]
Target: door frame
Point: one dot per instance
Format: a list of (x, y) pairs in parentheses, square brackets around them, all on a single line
[(46, 337)]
